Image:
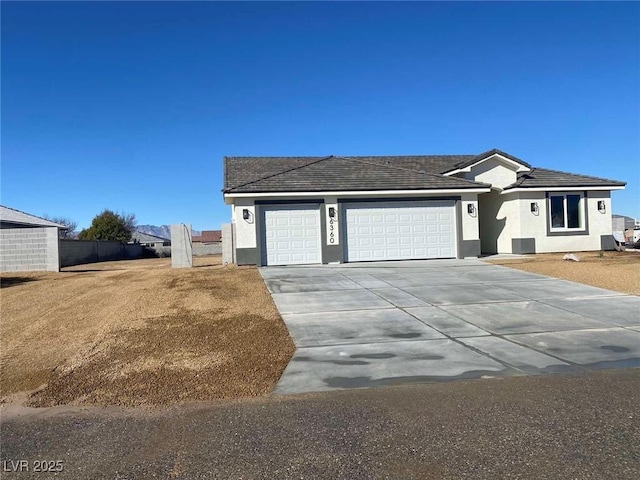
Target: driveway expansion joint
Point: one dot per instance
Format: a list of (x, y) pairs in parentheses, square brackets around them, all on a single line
[(463, 335)]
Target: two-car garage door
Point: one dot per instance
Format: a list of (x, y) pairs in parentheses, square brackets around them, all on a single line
[(373, 231), (400, 230)]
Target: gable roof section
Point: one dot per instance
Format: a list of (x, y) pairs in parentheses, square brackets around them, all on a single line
[(321, 174), (543, 177), (11, 215), (484, 155)]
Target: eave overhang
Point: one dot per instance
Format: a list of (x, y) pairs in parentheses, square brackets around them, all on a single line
[(230, 196)]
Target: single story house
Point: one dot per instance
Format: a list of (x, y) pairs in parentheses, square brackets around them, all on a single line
[(27, 242), (208, 237), (306, 210), (209, 242), (148, 240)]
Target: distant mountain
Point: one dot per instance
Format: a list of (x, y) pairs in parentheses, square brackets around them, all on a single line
[(163, 231)]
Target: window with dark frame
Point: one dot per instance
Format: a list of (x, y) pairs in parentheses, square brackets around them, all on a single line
[(566, 211)]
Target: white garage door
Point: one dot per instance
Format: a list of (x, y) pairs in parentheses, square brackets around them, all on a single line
[(292, 235), (400, 230)]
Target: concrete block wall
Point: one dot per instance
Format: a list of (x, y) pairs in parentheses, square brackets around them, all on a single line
[(200, 249), (133, 251), (78, 252), (29, 249), (181, 246), (227, 243), (160, 251)]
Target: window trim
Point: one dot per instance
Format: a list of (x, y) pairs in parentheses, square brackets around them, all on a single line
[(582, 212)]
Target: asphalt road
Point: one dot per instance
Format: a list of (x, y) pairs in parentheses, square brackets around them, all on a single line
[(581, 426)]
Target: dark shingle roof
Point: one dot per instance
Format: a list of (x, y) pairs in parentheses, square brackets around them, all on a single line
[(315, 174), (424, 163), (542, 177), (208, 236), (407, 172)]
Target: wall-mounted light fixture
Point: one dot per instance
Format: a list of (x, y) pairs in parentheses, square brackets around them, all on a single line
[(471, 209), (534, 208), (332, 212), (245, 213), (602, 207)]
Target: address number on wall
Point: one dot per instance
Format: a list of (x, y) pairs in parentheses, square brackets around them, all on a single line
[(333, 235)]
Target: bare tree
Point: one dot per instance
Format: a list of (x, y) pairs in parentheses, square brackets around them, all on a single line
[(129, 221), (70, 230)]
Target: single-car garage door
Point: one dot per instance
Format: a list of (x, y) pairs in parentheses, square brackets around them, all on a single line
[(400, 230), (292, 235)]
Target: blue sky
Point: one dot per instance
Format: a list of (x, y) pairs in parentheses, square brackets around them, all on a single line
[(131, 106)]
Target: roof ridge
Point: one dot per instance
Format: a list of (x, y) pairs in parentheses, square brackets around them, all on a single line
[(417, 155), (317, 160)]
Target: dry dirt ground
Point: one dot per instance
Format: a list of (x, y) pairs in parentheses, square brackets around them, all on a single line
[(140, 333), (619, 271)]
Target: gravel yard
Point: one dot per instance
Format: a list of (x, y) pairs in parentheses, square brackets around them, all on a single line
[(140, 333), (619, 271)]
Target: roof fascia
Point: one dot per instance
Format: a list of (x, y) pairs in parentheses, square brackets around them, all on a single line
[(356, 193), (561, 189)]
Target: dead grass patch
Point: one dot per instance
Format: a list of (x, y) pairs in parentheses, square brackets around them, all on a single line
[(619, 271), (141, 333)]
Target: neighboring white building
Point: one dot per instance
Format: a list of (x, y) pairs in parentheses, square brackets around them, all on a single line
[(27, 242), (305, 210)]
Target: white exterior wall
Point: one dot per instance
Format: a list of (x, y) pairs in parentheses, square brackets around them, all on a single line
[(470, 224), (509, 215), (494, 173), (536, 226), (246, 233), (515, 211)]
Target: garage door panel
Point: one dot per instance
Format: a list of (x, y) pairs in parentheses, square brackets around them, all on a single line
[(400, 230), (292, 235)]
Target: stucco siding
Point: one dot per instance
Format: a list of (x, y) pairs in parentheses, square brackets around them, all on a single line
[(470, 222), (246, 232), (493, 172), (536, 226), (504, 218)]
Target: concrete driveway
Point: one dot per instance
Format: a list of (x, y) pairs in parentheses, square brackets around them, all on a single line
[(373, 324)]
